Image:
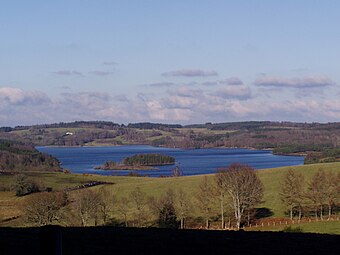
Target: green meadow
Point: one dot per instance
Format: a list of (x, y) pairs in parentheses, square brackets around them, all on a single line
[(123, 185)]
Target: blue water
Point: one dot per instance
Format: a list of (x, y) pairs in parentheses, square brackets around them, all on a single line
[(192, 162)]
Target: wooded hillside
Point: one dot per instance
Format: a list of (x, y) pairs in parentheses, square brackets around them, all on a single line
[(17, 156)]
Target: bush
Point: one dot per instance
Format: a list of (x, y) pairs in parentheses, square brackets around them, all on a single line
[(24, 186)]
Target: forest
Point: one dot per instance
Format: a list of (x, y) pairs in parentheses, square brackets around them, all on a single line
[(17, 156)]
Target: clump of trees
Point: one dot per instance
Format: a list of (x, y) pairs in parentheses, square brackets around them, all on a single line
[(318, 196), (94, 206), (149, 160), (143, 161)]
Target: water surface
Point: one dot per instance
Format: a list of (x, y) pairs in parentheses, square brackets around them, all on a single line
[(192, 161)]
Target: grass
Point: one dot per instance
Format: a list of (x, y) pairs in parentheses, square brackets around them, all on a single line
[(123, 185), (273, 178), (321, 227)]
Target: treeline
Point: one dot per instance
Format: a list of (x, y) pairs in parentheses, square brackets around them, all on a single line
[(148, 125), (319, 196), (17, 156), (76, 124), (245, 125), (148, 160)]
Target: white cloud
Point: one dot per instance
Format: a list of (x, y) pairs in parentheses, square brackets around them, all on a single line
[(12, 95), (9, 95), (234, 92), (186, 105)]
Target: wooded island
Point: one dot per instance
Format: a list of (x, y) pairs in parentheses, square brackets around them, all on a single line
[(139, 162)]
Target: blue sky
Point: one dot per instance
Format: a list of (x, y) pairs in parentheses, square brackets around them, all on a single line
[(169, 61)]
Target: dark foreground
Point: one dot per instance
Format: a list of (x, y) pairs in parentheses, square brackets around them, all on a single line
[(110, 240)]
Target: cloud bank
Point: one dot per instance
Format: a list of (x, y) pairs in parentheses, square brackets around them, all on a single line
[(305, 82), (180, 104)]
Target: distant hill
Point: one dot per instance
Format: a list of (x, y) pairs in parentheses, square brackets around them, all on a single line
[(17, 156), (320, 142)]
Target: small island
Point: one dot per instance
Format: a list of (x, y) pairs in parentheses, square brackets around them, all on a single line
[(139, 162)]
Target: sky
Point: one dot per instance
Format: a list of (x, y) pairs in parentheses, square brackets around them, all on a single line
[(178, 61)]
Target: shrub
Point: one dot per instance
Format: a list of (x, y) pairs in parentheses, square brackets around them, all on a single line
[(24, 186)]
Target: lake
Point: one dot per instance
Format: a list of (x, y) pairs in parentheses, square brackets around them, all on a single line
[(191, 161)]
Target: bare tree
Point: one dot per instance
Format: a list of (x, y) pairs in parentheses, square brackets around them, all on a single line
[(44, 208), (205, 199), (86, 206), (123, 207), (332, 191), (221, 193), (292, 192), (243, 186), (138, 200), (182, 206), (317, 191), (106, 200)]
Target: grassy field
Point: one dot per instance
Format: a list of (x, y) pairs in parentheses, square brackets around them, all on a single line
[(271, 178), (321, 227)]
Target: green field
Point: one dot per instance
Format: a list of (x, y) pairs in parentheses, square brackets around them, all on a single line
[(322, 227), (271, 178)]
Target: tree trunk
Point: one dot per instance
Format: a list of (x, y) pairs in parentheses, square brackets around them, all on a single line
[(316, 213), (291, 212), (182, 223), (207, 223), (125, 219), (329, 211), (222, 212), (300, 212)]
